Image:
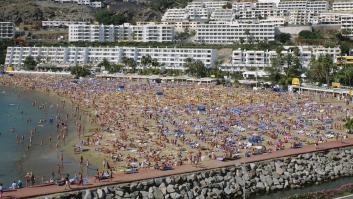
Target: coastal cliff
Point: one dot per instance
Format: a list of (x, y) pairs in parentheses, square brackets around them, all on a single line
[(228, 182)]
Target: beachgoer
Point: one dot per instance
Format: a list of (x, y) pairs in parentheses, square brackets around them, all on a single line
[(1, 190), (28, 179), (97, 176), (87, 166), (13, 185), (19, 184), (67, 183), (33, 179), (81, 179)]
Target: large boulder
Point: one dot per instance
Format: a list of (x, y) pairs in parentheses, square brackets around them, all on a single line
[(170, 189), (88, 194)]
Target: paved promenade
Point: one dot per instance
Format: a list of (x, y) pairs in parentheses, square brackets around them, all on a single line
[(151, 173)]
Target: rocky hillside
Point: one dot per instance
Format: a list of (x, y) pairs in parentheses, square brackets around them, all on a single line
[(33, 11)]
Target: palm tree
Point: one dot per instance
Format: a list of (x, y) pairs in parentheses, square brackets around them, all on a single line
[(349, 125), (146, 60), (130, 62)]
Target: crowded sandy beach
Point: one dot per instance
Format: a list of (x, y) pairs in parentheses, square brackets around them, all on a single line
[(136, 124)]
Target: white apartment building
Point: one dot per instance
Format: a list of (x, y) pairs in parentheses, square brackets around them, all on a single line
[(96, 4), (124, 32), (249, 10), (347, 25), (175, 15), (59, 24), (194, 11), (93, 4), (170, 58), (7, 30), (312, 5), (276, 21), (211, 5), (265, 6), (199, 14), (342, 5), (214, 11), (234, 32), (318, 6), (253, 13), (245, 60), (328, 18), (302, 17), (184, 25), (241, 6), (179, 26), (222, 15)]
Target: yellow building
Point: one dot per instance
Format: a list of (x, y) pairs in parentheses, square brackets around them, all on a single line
[(9, 69), (342, 60)]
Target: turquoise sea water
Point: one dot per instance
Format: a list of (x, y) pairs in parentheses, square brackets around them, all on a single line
[(15, 160)]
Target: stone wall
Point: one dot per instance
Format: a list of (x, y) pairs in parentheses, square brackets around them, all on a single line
[(293, 30), (265, 176)]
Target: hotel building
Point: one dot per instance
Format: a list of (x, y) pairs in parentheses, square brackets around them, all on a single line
[(64, 24), (342, 5), (170, 58), (125, 32), (7, 30), (304, 5), (248, 60), (347, 25), (233, 32)]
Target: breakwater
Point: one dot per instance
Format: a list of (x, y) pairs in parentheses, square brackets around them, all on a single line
[(228, 182)]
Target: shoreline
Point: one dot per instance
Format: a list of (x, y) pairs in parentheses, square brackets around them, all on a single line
[(67, 148)]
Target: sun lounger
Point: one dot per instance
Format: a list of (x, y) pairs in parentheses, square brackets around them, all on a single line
[(166, 168), (131, 171)]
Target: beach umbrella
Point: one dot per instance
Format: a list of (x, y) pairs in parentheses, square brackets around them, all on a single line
[(255, 139), (235, 111), (201, 108), (120, 88), (159, 93)]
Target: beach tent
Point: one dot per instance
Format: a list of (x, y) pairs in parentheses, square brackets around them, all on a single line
[(278, 88), (255, 139), (179, 133), (235, 111), (201, 108), (120, 88), (328, 121), (262, 126), (159, 93)]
